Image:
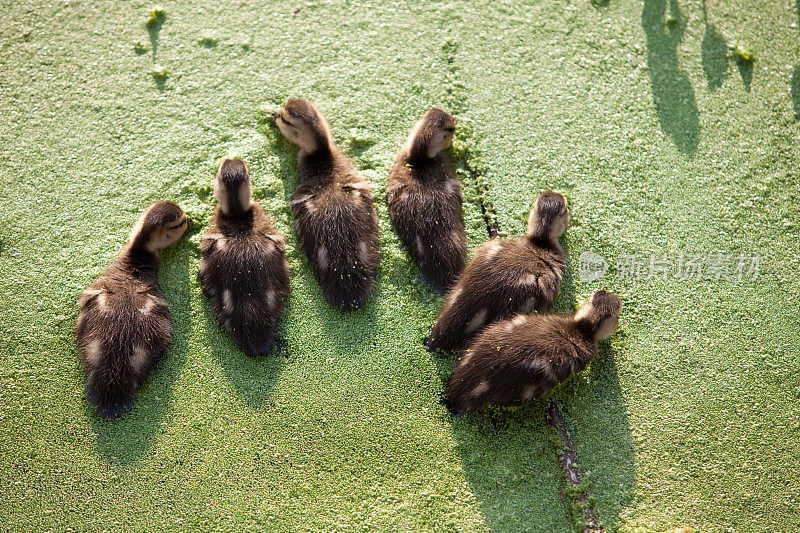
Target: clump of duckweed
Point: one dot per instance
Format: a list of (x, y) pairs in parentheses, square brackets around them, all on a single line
[(157, 15), (159, 72), (743, 54)]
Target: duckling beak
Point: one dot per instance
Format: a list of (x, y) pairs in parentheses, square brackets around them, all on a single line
[(275, 115)]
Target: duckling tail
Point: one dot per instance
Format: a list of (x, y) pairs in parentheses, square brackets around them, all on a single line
[(111, 390), (252, 325)]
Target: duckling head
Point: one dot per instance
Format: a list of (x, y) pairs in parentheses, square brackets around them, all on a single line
[(161, 225), (549, 217), (233, 188), (431, 135), (304, 125), (600, 314)]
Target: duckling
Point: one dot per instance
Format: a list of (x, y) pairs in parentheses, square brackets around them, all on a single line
[(243, 272), (124, 325), (506, 276), (424, 200), (334, 213), (514, 361)]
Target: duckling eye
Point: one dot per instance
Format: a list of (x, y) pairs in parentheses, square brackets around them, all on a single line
[(450, 130)]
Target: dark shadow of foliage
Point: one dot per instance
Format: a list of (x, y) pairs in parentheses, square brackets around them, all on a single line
[(795, 90), (714, 54), (673, 94)]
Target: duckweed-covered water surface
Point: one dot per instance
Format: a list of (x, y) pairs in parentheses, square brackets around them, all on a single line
[(671, 127)]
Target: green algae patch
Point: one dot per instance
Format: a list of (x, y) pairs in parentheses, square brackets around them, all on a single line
[(743, 54), (159, 72)]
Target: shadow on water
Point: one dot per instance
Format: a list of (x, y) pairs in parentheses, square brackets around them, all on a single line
[(746, 71), (154, 26), (595, 409), (161, 81), (252, 377), (714, 54), (128, 438), (565, 303), (795, 90), (673, 95), (510, 460)]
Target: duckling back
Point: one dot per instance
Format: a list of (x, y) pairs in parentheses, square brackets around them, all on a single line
[(516, 361), (123, 329), (337, 228), (424, 201), (245, 275), (504, 278)]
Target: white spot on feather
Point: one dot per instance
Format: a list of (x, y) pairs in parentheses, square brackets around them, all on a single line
[(322, 257), (220, 243), (138, 358), (227, 300), (270, 298), (363, 252), (300, 200), (454, 296), (148, 306), (94, 355), (528, 393), (527, 279), (477, 321), (546, 284), (479, 389), (535, 364), (102, 302), (518, 320), (87, 295), (492, 248), (306, 199), (456, 237), (450, 187), (418, 244)]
